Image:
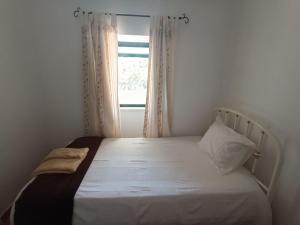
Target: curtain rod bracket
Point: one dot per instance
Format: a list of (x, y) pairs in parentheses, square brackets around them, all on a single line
[(78, 10)]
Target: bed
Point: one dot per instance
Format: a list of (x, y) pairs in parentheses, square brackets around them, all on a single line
[(170, 181)]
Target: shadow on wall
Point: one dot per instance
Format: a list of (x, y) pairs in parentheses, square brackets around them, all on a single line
[(286, 204), (296, 207)]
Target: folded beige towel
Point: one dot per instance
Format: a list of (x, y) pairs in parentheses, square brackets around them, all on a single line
[(62, 160), (58, 166), (67, 153)]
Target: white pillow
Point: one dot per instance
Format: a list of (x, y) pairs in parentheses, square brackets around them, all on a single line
[(227, 149)]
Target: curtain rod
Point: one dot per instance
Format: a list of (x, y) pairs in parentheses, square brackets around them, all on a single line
[(78, 10)]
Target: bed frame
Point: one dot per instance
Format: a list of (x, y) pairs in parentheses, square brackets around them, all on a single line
[(264, 163)]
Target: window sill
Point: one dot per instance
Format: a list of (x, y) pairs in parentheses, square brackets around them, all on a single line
[(132, 108)]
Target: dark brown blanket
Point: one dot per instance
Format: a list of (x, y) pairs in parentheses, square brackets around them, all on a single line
[(48, 200)]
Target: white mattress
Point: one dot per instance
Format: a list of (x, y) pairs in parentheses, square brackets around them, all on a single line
[(167, 181)]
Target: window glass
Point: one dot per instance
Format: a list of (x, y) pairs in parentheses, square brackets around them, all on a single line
[(133, 69)]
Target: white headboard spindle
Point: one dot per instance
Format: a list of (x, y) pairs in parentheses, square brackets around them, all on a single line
[(264, 134)]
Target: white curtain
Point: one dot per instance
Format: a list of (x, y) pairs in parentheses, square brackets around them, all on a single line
[(159, 103), (100, 68)]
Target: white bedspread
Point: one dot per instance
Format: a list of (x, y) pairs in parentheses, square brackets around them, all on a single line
[(167, 181)]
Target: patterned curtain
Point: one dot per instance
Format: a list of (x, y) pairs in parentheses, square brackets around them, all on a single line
[(159, 103), (100, 68)]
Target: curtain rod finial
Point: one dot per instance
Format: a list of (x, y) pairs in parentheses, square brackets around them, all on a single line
[(76, 12), (185, 18)]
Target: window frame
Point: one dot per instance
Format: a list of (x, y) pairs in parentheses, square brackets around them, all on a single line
[(133, 55)]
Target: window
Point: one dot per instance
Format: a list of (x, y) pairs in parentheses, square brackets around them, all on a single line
[(133, 54)]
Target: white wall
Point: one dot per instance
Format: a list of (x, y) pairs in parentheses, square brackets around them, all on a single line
[(58, 42), (21, 127), (264, 79), (132, 122), (199, 62)]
